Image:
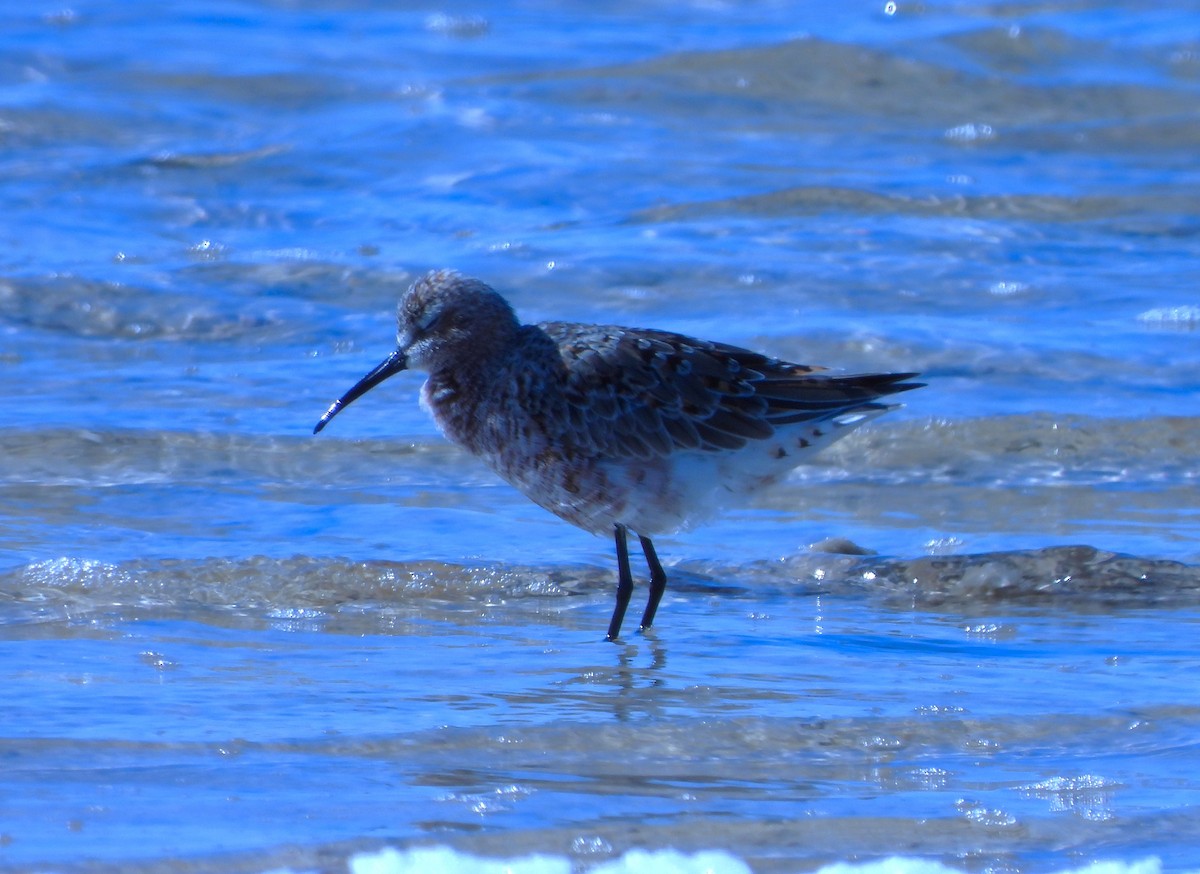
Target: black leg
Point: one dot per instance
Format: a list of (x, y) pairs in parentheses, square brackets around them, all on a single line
[(658, 582), (624, 583)]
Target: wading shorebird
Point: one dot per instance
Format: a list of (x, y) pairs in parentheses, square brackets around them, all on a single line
[(615, 429)]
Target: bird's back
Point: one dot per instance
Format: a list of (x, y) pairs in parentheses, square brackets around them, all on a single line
[(653, 429), (639, 393)]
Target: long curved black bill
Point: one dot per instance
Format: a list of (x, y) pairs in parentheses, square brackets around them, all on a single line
[(390, 366)]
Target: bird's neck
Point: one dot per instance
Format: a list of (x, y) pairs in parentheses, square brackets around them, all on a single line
[(517, 379)]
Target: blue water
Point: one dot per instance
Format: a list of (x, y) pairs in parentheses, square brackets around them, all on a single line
[(227, 642)]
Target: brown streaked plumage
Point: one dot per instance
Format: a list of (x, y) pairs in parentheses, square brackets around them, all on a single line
[(615, 429)]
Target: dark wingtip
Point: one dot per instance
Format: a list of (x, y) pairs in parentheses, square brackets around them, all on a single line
[(891, 383)]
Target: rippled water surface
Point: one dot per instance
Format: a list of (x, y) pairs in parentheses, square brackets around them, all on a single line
[(967, 632)]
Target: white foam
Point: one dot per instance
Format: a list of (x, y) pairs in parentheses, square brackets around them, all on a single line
[(444, 860), (447, 861), (1178, 316)]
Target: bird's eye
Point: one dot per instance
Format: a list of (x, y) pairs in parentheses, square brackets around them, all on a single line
[(428, 320)]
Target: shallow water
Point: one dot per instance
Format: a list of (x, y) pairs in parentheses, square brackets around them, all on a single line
[(231, 644)]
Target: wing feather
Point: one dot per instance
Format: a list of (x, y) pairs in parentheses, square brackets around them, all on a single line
[(644, 394)]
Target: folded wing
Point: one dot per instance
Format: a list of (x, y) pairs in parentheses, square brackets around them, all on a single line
[(644, 393)]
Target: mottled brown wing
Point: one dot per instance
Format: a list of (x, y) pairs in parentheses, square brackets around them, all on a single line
[(644, 393)]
